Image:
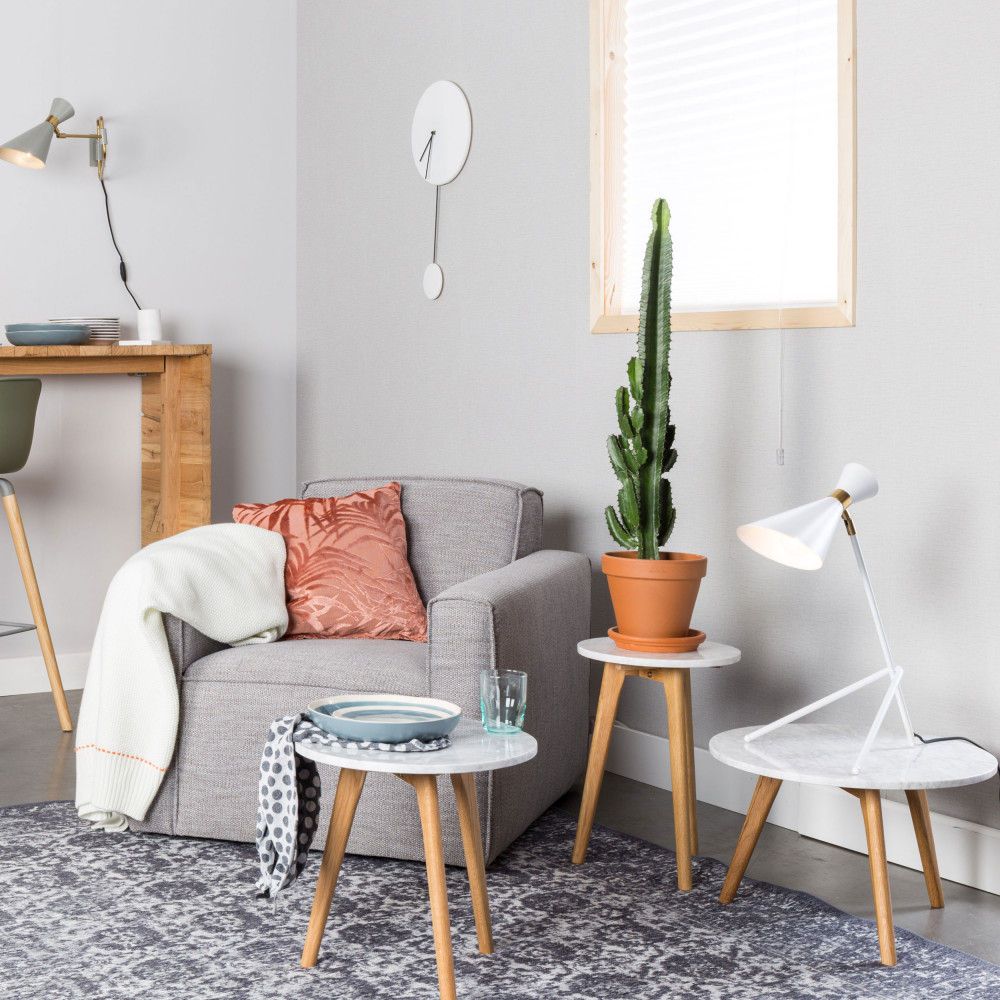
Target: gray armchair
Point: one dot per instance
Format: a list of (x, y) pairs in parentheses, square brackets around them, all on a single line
[(493, 599)]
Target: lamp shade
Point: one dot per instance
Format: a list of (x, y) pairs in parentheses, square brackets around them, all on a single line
[(801, 537), (31, 148)]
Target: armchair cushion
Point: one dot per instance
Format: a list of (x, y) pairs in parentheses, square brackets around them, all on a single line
[(345, 665)]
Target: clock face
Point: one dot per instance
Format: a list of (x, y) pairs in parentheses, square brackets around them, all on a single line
[(442, 132)]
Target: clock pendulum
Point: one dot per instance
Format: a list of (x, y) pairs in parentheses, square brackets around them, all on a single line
[(440, 141), (433, 275)]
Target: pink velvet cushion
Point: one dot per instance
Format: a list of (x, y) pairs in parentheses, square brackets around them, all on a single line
[(346, 573)]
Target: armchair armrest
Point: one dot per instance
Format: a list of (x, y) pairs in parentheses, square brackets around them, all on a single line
[(526, 616), (187, 644)]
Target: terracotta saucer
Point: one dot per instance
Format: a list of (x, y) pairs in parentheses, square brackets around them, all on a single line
[(676, 644)]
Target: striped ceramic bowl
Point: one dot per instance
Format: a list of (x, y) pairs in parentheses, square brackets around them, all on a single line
[(384, 718)]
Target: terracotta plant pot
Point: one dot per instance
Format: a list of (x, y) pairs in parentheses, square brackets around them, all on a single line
[(654, 600)]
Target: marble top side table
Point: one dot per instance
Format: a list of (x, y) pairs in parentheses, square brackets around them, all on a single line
[(824, 755), (673, 671), (472, 750)]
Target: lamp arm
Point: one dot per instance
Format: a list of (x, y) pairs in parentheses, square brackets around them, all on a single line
[(98, 155), (879, 626)]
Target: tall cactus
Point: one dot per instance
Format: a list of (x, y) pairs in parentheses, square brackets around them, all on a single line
[(643, 452)]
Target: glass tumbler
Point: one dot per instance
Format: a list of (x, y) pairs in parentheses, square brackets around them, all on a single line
[(502, 700)]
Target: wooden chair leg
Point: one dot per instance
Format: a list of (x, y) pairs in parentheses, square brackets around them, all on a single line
[(37, 610), (921, 816), (430, 822), (345, 803), (607, 705), (760, 806), (871, 808), (472, 841)]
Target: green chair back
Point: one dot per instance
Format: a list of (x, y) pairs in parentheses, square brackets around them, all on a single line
[(18, 402)]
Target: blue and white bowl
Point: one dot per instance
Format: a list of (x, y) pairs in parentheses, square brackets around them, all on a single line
[(384, 718)]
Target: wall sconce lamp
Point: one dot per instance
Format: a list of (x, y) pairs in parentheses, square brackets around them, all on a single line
[(31, 148), (801, 538)]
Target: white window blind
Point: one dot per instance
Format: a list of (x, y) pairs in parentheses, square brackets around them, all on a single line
[(731, 115)]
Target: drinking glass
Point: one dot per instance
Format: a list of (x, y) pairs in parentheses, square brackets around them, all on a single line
[(502, 700)]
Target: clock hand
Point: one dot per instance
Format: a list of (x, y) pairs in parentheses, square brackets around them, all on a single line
[(427, 151)]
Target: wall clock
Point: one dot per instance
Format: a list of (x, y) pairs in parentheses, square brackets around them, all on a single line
[(440, 140)]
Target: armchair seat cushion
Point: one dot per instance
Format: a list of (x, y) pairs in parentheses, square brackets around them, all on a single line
[(377, 665)]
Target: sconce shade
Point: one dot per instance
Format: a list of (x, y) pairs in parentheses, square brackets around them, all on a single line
[(31, 148), (801, 537)]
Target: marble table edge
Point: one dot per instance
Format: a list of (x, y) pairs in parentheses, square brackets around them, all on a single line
[(891, 765)]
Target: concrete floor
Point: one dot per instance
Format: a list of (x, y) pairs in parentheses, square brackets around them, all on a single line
[(37, 765)]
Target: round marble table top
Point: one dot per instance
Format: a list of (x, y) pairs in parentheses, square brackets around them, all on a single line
[(824, 755), (708, 654), (472, 749)]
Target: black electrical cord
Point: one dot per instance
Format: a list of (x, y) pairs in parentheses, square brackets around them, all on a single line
[(946, 739), (122, 271)]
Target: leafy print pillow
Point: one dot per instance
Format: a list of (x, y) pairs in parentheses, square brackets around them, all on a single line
[(346, 572)]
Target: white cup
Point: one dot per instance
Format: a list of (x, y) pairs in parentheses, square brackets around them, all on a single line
[(149, 325)]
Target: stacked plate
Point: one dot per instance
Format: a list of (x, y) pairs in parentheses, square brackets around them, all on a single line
[(103, 329)]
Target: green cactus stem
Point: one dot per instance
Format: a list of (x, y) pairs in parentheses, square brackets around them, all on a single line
[(642, 453)]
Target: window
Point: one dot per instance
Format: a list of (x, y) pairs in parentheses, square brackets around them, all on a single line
[(741, 113)]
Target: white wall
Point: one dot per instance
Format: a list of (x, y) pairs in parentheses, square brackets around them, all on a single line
[(500, 376), (198, 99)]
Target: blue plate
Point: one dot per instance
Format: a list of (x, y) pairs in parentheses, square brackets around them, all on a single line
[(385, 718), (43, 334)]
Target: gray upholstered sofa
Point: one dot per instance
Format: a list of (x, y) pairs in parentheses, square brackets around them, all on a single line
[(493, 599)]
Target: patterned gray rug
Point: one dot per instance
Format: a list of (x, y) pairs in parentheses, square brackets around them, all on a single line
[(97, 916)]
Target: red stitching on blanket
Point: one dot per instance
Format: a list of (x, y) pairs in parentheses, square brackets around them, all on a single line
[(118, 753)]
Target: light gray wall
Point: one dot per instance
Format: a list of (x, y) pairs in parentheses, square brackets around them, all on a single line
[(500, 376), (198, 99)]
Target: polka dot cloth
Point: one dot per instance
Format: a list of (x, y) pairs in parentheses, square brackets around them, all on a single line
[(287, 809), (288, 796)]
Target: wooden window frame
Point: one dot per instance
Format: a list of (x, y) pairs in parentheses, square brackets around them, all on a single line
[(607, 91)]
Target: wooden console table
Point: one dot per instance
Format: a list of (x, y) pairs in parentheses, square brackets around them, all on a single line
[(176, 439)]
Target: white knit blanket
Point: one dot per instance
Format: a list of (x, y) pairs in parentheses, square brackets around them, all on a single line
[(227, 580)]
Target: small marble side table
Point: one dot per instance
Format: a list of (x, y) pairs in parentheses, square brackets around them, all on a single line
[(673, 671), (824, 755), (472, 749)]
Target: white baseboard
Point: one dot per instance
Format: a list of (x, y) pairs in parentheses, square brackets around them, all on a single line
[(26, 674), (967, 852)]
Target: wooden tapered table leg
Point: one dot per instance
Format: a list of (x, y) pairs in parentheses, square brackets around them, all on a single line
[(341, 819), (37, 609), (871, 808), (472, 840), (920, 814), (604, 723), (825, 755), (430, 823), (689, 761), (760, 806), (471, 751), (673, 671), (681, 779)]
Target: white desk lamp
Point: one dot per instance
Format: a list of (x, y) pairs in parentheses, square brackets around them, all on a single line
[(801, 538)]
